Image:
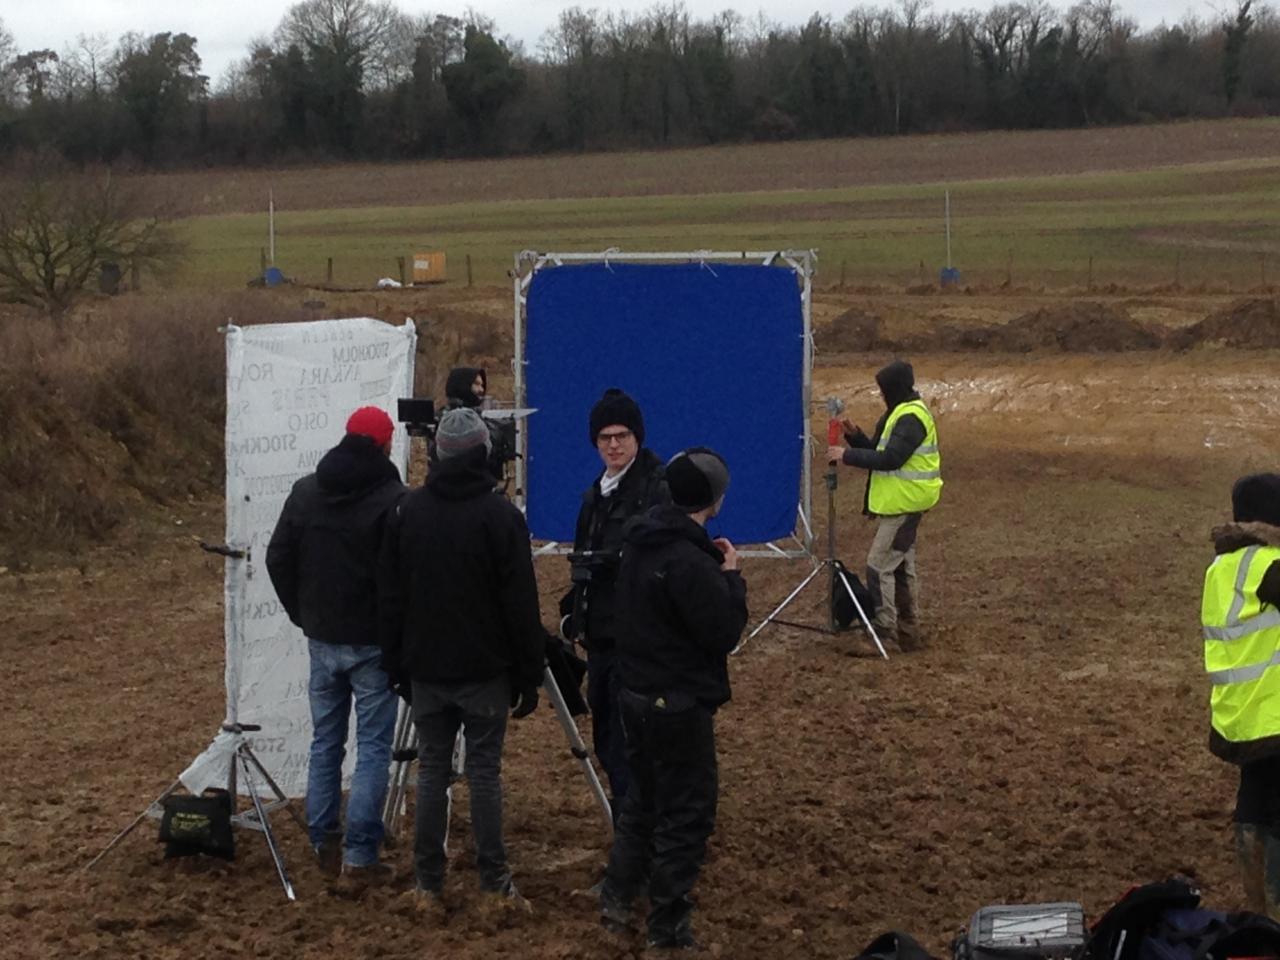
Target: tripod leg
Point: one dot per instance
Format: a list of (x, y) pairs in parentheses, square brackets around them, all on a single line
[(782, 606), (576, 746), (875, 638), (391, 810), (134, 825), (247, 752), (244, 756)]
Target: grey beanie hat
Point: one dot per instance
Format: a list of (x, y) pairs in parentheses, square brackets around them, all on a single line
[(460, 430), (697, 479)]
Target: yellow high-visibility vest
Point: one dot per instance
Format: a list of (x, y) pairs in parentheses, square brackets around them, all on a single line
[(917, 485), (1242, 646)]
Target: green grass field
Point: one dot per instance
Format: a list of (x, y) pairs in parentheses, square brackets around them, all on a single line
[(1212, 224)]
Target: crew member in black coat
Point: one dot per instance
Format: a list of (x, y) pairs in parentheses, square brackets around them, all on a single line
[(681, 609), (459, 609), (322, 560), (631, 483)]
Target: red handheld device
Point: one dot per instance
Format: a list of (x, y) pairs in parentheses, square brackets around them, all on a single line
[(835, 432)]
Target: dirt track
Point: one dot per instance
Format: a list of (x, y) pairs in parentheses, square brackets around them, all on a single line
[(1049, 744)]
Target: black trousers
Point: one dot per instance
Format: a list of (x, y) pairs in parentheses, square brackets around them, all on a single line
[(669, 812), (607, 738)]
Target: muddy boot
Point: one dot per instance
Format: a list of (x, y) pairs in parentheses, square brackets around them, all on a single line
[(909, 638), (616, 912), (329, 854)]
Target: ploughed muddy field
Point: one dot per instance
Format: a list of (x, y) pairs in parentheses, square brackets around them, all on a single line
[(1048, 744)]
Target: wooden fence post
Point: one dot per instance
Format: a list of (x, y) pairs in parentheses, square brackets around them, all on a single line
[(468, 269), (400, 265), (328, 272)]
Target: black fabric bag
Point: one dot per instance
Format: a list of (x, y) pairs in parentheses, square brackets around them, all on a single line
[(841, 604), (894, 945), (192, 825), (1164, 921)]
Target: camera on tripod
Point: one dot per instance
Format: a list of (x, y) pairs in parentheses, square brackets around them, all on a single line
[(594, 566), (418, 416)]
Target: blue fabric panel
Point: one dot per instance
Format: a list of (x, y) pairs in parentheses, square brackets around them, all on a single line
[(712, 353)]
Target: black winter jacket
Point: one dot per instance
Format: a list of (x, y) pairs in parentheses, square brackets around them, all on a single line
[(679, 614), (1228, 539), (323, 555), (457, 596), (601, 527)]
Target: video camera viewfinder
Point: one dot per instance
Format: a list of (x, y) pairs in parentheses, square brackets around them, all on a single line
[(418, 416)]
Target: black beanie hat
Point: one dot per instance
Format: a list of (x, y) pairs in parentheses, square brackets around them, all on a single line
[(697, 478), (616, 407), (1256, 499)]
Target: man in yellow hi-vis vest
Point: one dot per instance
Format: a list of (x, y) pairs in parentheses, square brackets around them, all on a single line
[(905, 482), (1241, 618)]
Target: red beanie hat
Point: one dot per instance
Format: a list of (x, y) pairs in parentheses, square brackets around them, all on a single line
[(371, 422)]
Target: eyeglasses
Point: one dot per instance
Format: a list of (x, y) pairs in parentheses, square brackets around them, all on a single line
[(621, 437)]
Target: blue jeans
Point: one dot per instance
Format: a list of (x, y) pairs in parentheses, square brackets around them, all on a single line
[(339, 672)]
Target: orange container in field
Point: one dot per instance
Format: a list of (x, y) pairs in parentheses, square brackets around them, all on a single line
[(429, 267)]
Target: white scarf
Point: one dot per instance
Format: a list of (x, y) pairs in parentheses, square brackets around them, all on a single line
[(609, 484)]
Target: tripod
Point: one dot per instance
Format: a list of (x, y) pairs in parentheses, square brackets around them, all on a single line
[(242, 762), (836, 577), (405, 751)]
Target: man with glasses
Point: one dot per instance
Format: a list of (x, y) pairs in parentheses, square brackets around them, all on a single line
[(632, 481)]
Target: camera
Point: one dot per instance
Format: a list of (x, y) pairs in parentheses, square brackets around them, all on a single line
[(594, 566), (418, 416)]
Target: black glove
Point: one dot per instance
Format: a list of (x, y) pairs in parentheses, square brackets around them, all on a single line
[(402, 688), (524, 700)]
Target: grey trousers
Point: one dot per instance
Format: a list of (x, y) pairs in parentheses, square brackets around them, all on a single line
[(480, 711), (891, 574)]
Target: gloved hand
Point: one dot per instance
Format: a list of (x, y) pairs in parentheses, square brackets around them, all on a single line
[(401, 686), (524, 700)]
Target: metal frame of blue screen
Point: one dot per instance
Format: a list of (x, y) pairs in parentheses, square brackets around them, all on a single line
[(802, 262)]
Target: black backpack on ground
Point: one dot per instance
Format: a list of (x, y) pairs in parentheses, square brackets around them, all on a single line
[(1164, 921), (842, 606), (894, 945)]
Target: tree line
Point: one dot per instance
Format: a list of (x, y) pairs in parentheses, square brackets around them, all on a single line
[(345, 79)]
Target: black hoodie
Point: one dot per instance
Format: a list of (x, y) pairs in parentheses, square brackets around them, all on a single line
[(679, 614), (897, 386), (457, 596), (323, 555)]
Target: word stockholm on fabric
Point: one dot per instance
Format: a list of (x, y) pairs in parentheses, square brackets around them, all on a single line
[(290, 389)]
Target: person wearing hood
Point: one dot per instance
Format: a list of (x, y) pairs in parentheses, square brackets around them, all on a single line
[(458, 605), (681, 609), (465, 387), (468, 388), (322, 560), (631, 482), (904, 464), (1240, 614)]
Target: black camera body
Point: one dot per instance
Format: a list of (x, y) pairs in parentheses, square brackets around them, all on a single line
[(418, 416), (594, 566)]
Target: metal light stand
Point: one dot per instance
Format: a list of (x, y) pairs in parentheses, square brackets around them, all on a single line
[(405, 751), (243, 761), (830, 564)]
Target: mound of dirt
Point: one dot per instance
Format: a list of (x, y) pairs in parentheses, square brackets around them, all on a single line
[(1246, 323), (853, 331), (1072, 327)]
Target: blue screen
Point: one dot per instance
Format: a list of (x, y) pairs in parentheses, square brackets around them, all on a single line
[(713, 353)]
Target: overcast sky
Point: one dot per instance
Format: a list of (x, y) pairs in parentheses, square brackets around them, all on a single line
[(225, 27)]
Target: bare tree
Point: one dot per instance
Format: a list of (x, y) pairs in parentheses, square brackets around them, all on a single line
[(58, 228), (363, 29), (8, 75)]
